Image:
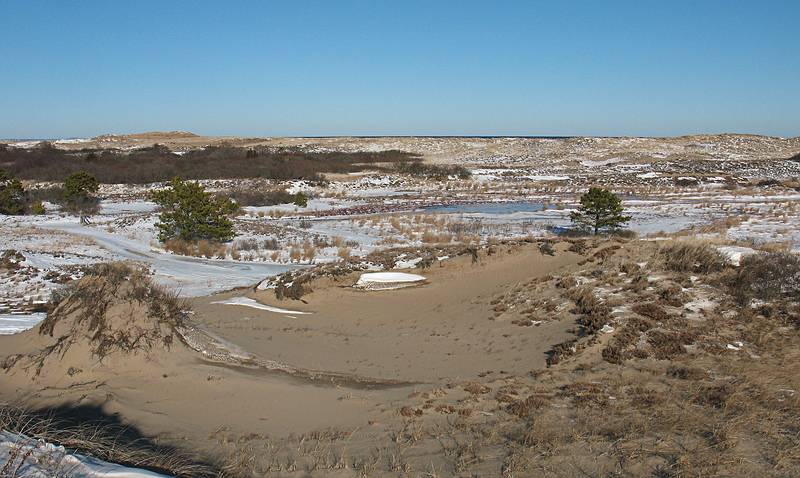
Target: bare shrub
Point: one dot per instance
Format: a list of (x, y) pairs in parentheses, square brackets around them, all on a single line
[(247, 245), (295, 254), (767, 276), (270, 244), (651, 310)]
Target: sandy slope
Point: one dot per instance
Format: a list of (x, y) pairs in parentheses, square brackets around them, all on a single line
[(433, 334), (440, 331)]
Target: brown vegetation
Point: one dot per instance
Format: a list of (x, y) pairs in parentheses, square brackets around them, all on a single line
[(158, 163)]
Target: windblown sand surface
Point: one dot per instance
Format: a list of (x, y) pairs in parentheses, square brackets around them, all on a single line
[(429, 335), (439, 331)]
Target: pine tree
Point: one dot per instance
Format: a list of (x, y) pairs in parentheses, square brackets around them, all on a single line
[(600, 209), (13, 199), (190, 213), (79, 189)]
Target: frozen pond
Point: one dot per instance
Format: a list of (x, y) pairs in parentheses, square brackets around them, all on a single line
[(645, 217)]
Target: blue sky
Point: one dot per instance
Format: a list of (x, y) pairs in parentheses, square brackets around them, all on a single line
[(82, 68)]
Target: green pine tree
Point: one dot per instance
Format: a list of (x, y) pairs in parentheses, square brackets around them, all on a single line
[(190, 213), (600, 209), (79, 189), (13, 199)]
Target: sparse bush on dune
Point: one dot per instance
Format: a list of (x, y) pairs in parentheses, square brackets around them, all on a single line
[(82, 311), (547, 249), (691, 256), (766, 276)]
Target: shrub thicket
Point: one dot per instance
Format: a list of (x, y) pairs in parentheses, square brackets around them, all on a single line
[(433, 171), (158, 163)]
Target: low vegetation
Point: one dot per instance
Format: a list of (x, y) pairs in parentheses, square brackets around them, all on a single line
[(158, 163), (13, 197), (691, 255), (433, 171)]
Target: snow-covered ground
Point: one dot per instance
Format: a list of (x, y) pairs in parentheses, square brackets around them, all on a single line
[(367, 212), (15, 323), (26, 457)]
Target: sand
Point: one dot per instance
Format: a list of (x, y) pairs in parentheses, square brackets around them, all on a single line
[(434, 334)]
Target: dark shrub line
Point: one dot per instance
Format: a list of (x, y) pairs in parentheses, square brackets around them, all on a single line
[(158, 163)]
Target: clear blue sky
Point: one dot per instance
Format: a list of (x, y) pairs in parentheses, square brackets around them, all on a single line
[(82, 68)]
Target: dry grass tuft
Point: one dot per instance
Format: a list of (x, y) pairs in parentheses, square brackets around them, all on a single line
[(692, 256)]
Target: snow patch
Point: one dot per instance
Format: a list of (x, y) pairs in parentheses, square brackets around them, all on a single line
[(387, 280), (39, 459), (734, 254), (248, 302), (15, 323)]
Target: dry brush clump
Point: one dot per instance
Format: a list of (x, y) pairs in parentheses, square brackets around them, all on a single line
[(692, 256), (767, 277), (594, 313), (114, 308)]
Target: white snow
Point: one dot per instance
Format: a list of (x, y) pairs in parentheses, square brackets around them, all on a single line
[(734, 254), (650, 175), (248, 302), (407, 264), (546, 177), (192, 276), (33, 458), (15, 323), (387, 280)]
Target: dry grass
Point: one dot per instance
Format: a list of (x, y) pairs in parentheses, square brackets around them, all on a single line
[(102, 439), (202, 248), (691, 256)]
